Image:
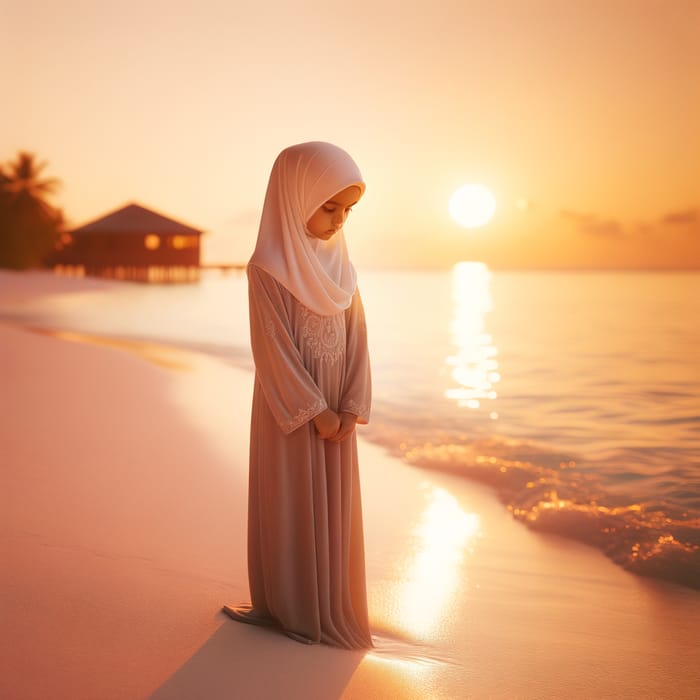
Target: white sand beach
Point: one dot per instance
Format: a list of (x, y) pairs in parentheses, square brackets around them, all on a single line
[(123, 489)]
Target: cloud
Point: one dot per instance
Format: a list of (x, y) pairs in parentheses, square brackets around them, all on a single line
[(682, 218), (594, 225)]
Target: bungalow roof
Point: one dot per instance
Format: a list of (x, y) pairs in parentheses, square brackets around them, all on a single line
[(135, 219)]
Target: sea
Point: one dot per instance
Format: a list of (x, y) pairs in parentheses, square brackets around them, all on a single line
[(574, 395)]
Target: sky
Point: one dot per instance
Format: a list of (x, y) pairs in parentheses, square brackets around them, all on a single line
[(581, 116)]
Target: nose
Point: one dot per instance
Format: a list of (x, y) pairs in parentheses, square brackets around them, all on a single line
[(338, 218)]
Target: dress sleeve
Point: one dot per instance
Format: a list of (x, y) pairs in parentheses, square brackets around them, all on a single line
[(357, 393), (290, 392)]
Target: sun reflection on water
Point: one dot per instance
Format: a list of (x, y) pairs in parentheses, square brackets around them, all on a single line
[(474, 366), (442, 536)]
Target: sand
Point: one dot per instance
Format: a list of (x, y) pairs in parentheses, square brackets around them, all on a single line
[(123, 505)]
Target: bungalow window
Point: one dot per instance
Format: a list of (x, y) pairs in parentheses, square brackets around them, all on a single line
[(152, 241), (182, 242)]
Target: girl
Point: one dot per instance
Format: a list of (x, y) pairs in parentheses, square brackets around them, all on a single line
[(312, 385)]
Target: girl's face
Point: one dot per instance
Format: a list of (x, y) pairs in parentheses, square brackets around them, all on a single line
[(329, 218)]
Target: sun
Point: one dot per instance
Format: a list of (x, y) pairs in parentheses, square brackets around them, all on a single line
[(472, 206)]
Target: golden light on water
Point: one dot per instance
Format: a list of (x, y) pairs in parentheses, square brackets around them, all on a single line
[(441, 540), (474, 367)]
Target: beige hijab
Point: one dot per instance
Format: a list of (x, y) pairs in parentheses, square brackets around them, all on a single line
[(317, 273)]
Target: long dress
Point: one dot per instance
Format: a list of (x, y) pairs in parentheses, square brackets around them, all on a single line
[(305, 541)]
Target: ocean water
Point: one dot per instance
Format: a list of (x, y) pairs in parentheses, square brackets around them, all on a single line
[(576, 396)]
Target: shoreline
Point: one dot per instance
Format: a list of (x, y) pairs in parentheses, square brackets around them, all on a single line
[(126, 535), (659, 555), (172, 355)]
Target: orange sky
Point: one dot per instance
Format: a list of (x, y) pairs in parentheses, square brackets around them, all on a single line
[(590, 111)]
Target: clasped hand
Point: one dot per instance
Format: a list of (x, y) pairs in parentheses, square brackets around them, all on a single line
[(334, 426)]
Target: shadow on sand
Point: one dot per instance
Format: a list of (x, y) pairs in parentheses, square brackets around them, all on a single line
[(247, 662)]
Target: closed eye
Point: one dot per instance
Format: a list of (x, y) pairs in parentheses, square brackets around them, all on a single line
[(332, 210)]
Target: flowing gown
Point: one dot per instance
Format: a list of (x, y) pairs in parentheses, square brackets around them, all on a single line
[(306, 564)]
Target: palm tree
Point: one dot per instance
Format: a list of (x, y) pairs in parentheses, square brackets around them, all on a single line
[(24, 179), (29, 224)]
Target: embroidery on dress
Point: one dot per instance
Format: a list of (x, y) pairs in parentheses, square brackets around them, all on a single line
[(322, 336), (269, 327), (351, 406), (305, 414)]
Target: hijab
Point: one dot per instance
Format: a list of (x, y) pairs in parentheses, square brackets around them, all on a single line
[(317, 273)]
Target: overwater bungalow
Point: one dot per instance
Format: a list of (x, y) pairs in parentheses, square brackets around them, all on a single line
[(132, 243)]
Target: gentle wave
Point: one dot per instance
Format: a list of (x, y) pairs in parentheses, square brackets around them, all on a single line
[(550, 492)]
